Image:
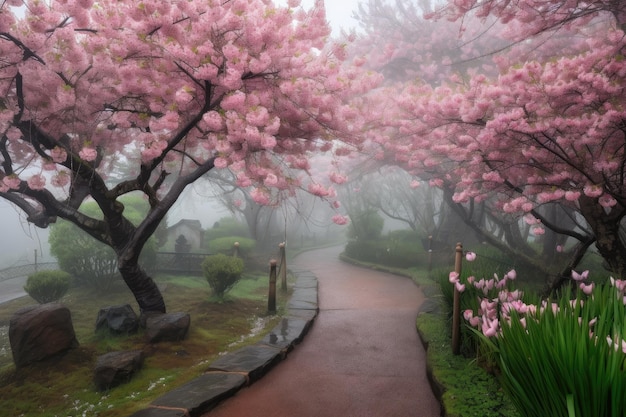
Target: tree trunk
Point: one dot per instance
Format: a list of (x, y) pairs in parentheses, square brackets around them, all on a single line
[(144, 289), (606, 227)]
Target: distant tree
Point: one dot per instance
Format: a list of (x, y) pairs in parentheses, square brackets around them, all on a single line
[(227, 226), (260, 219)]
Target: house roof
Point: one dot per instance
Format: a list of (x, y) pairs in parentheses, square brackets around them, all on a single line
[(188, 222)]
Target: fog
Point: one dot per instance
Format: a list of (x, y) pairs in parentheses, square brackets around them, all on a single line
[(20, 239)]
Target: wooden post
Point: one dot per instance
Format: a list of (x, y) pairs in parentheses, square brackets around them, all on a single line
[(456, 306), (236, 249), (271, 300), (430, 253), (283, 267)]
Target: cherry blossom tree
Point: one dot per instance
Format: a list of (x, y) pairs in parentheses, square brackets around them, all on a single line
[(415, 53), (545, 130), (182, 87)]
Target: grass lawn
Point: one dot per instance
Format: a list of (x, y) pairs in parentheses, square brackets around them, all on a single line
[(63, 386)]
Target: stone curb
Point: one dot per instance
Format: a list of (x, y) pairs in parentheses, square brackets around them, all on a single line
[(229, 373)]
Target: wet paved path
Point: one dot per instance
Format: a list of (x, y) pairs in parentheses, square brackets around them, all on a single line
[(11, 289), (361, 358)]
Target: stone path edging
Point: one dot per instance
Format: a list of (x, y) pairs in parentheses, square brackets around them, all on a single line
[(235, 370)]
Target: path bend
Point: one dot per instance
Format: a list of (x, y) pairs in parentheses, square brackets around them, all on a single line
[(361, 358)]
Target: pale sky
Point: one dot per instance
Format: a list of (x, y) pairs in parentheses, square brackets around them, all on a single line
[(338, 12)]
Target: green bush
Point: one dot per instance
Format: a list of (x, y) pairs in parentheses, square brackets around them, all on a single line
[(366, 225), (47, 286), (227, 226), (386, 252), (222, 272), (225, 245)]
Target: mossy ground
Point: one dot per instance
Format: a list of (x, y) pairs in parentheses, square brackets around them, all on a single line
[(63, 386)]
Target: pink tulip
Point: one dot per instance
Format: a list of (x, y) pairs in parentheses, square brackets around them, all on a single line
[(587, 289)]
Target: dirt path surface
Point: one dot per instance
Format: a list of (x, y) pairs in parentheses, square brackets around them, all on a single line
[(361, 358)]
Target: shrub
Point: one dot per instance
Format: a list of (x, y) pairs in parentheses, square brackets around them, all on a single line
[(225, 245), (47, 286), (227, 226), (386, 252), (366, 225), (222, 272)]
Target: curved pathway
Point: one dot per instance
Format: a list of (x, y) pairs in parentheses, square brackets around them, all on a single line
[(361, 358)]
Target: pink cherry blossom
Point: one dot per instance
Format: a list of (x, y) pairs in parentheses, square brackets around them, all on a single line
[(318, 190), (270, 180), (58, 154), (37, 182), (221, 162), (538, 231), (213, 120), (12, 181), (260, 196), (337, 178), (340, 220), (61, 179), (88, 154)]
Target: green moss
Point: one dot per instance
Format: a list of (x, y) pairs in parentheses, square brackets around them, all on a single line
[(465, 388)]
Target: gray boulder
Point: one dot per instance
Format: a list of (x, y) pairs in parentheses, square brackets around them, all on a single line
[(120, 319), (168, 327), (39, 332), (115, 368)]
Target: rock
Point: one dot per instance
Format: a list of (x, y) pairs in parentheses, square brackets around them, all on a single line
[(168, 327), (120, 319), (39, 332), (197, 396), (115, 368), (253, 361)]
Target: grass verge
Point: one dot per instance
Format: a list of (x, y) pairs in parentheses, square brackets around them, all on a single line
[(63, 386)]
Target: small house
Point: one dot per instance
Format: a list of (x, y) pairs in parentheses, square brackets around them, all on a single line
[(187, 235)]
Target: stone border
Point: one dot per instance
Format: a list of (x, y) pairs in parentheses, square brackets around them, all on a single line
[(235, 370)]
